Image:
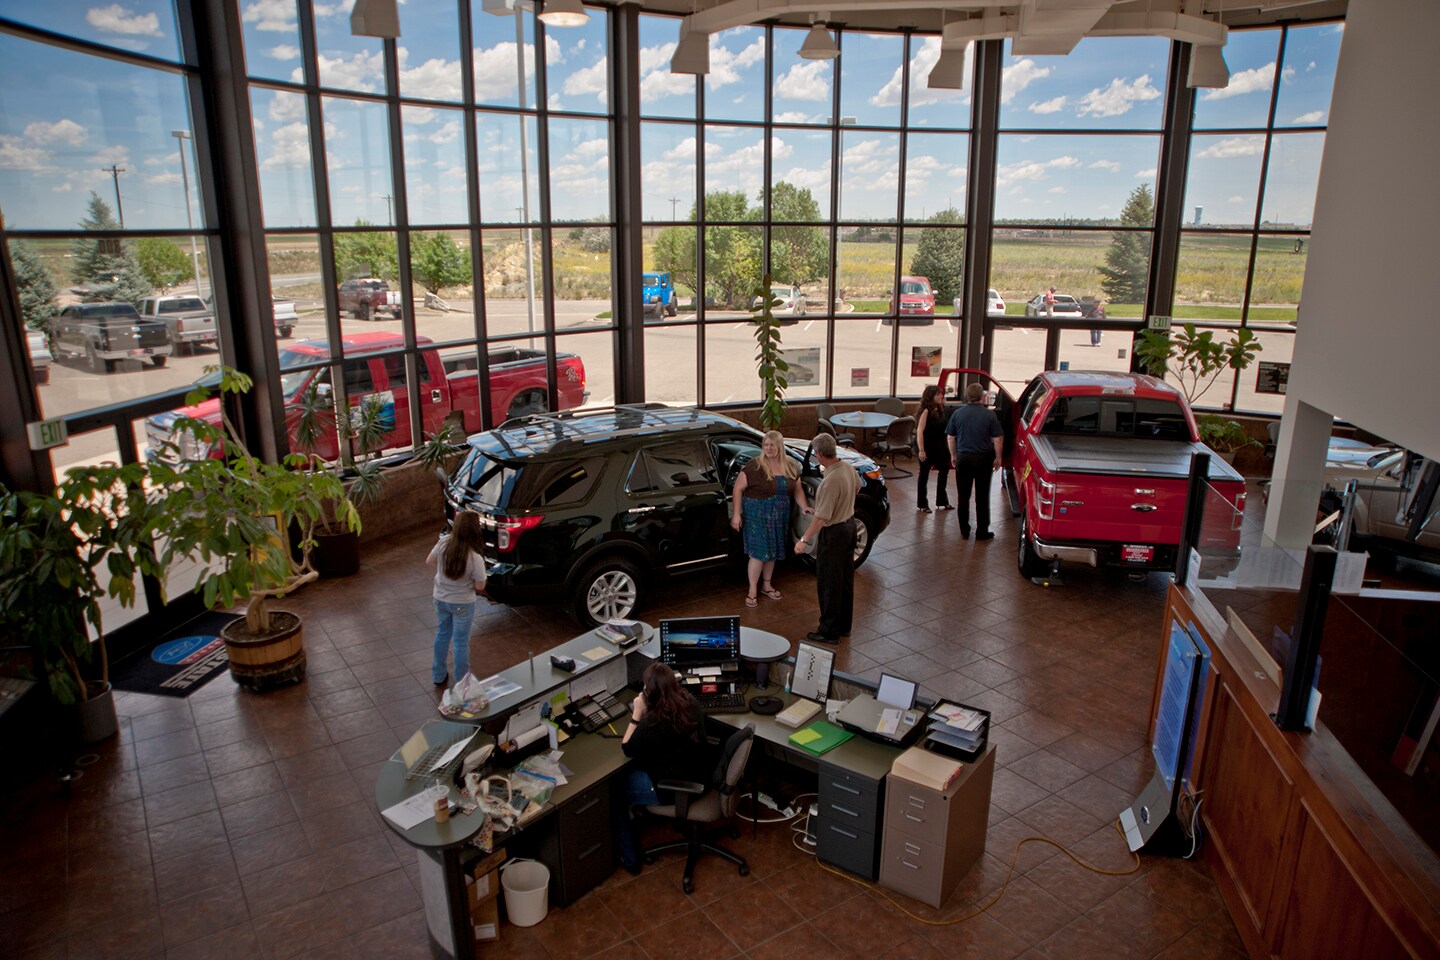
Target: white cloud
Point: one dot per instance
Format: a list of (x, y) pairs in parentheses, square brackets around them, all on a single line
[(362, 71), (435, 79), (594, 80), (1018, 76), (1256, 80), (66, 132), (1056, 190), (807, 178), (1145, 174), (1111, 165), (1314, 116), (333, 9), (805, 81), (495, 71), (448, 133), (1232, 147), (274, 16), (1063, 163), (109, 155), (1311, 66), (1048, 106), (163, 178), (118, 19), (286, 108), (792, 116), (1117, 98), (418, 116), (1014, 174), (15, 154), (591, 150), (284, 51), (1235, 199), (289, 148), (725, 64), (684, 150)]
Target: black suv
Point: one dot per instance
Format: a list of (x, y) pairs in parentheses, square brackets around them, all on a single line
[(597, 507)]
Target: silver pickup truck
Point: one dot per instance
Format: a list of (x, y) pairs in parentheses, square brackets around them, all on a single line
[(189, 320)]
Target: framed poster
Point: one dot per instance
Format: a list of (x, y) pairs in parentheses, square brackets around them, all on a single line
[(925, 361), (804, 367), (1272, 377)]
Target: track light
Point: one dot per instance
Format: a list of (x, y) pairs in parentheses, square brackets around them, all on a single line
[(375, 18), (564, 13), (692, 53), (818, 44), (949, 71), (1207, 67)]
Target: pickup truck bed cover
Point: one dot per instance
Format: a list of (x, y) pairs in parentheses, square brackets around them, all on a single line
[(1118, 455)]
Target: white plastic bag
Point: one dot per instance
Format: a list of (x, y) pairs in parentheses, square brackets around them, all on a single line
[(467, 696)]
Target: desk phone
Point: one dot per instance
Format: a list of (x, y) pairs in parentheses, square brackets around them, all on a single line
[(596, 712)]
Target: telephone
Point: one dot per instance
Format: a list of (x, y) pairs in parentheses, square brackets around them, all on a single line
[(592, 713)]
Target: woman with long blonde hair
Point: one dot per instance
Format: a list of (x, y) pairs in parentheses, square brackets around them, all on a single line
[(760, 509)]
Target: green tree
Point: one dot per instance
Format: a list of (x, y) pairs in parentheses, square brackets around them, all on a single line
[(35, 285), (164, 264), (674, 253), (1127, 262), (118, 280), (732, 253), (368, 254), (940, 256), (436, 261), (798, 254), (91, 257)]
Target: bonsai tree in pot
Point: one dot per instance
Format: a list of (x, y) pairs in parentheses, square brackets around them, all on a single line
[(233, 514), (52, 547), (1194, 361)]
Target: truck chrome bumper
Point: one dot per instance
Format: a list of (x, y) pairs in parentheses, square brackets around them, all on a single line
[(1053, 551)]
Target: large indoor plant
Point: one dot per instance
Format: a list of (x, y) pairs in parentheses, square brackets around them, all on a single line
[(1194, 360), (770, 360), (232, 515)]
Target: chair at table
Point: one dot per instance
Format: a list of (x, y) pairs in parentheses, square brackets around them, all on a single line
[(891, 405), (826, 410), (899, 438), (844, 439), (697, 806)]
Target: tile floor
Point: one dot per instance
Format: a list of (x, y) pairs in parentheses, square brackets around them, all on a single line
[(235, 825)]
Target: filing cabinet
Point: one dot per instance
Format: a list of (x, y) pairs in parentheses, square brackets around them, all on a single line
[(575, 842), (932, 838), (847, 828)]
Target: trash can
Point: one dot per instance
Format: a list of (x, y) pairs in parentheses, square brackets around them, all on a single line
[(527, 891)]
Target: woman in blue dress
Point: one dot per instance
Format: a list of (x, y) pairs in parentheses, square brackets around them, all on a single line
[(760, 509)]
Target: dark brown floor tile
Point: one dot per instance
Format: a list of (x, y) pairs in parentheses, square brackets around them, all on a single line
[(809, 889), (751, 914), (203, 913), (186, 836), (330, 828), (247, 784), (691, 936), (233, 757), (233, 943), (194, 872), (358, 859), (179, 803), (269, 848), (401, 938), (585, 927), (257, 814), (179, 772), (862, 926), (292, 930), (275, 888), (1030, 912), (136, 936), (168, 746), (1082, 939), (1047, 771), (977, 936), (647, 901), (802, 940)]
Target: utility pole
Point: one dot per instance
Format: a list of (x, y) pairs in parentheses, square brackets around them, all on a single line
[(180, 137), (115, 171), (389, 214), (673, 202)]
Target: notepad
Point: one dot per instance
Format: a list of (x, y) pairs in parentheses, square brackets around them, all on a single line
[(820, 737)]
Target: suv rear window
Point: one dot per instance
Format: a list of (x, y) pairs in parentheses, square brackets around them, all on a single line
[(555, 484), (1117, 417), (489, 483)]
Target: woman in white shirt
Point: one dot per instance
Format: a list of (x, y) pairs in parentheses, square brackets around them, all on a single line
[(459, 577)]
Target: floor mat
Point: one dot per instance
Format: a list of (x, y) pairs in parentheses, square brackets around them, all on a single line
[(183, 661)]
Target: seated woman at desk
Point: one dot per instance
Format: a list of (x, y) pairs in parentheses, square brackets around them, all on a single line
[(666, 739)]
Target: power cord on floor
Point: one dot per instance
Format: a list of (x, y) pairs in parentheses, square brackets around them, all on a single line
[(1009, 875), (784, 814)]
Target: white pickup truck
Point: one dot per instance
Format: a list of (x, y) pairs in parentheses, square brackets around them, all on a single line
[(189, 320)]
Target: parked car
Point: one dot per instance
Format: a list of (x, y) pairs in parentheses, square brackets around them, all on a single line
[(285, 317), (658, 295), (106, 333), (448, 384), (917, 302), (994, 306), (1065, 306), (785, 302), (1096, 465), (598, 508), (189, 320), (366, 298), (39, 355)]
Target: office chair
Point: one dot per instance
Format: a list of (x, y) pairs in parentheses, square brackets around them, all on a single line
[(899, 438), (697, 806), (825, 410), (891, 405), (844, 439)]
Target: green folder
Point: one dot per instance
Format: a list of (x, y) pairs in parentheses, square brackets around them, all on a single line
[(820, 737)]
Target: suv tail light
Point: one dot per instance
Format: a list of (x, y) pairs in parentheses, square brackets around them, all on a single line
[(509, 529)]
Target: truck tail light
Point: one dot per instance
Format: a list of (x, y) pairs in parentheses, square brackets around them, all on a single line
[(1237, 520), (1045, 499), (509, 529)]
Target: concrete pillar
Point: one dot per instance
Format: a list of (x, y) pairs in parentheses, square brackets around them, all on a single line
[(1299, 474)]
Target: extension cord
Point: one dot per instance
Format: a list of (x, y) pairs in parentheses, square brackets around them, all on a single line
[(767, 801)]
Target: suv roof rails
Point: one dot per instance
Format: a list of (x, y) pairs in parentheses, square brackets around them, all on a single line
[(569, 429)]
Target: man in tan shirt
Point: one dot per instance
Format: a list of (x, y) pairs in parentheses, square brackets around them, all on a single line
[(832, 531)]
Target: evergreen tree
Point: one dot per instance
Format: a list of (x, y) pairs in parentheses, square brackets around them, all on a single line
[(91, 256), (436, 261), (940, 256), (118, 280), (163, 264), (36, 287), (1127, 262), (798, 255)]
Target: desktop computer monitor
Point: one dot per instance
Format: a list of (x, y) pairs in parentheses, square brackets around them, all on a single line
[(700, 642)]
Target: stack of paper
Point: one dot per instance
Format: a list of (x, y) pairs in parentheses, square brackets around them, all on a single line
[(958, 727), (797, 713), (927, 769), (622, 633)]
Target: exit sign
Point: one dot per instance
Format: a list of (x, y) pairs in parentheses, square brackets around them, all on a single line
[(1159, 323), (47, 434)]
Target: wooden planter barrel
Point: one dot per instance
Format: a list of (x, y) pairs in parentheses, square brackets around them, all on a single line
[(262, 663)]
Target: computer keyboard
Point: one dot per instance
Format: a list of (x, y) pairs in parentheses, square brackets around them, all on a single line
[(722, 702)]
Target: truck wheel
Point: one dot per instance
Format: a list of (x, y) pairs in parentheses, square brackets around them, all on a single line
[(671, 309), (159, 361), (607, 589), (367, 311), (285, 332), (1030, 564), (96, 363), (528, 402)]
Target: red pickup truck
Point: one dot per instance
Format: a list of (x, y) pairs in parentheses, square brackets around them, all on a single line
[(517, 386), (367, 298), (1096, 467)]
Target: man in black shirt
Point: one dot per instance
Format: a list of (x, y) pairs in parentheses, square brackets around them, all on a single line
[(975, 440)]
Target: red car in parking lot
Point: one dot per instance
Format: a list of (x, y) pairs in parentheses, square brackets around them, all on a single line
[(917, 301)]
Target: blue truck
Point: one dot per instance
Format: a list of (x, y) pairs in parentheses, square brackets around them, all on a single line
[(659, 296)]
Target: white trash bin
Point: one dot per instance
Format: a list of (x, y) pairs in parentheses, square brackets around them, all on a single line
[(527, 891)]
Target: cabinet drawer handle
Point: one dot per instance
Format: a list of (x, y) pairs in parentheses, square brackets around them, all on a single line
[(593, 801), (588, 852), (912, 818), (845, 810), (912, 866), (915, 801), (845, 833), (848, 789), (911, 848)]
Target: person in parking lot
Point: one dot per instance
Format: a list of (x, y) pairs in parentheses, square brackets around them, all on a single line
[(975, 440), (934, 453), (760, 508), (459, 579), (1050, 302), (832, 532)]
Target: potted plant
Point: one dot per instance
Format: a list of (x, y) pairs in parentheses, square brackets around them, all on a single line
[(1194, 361), (1225, 437), (770, 360), (51, 550), (233, 515)]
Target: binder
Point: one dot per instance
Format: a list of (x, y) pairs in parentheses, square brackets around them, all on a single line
[(820, 737)]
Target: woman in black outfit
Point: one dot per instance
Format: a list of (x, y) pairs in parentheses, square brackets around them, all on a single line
[(666, 739), (930, 422)]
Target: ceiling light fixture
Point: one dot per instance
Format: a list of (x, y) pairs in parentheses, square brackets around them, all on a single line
[(564, 13), (819, 45), (692, 53), (375, 18), (949, 71)]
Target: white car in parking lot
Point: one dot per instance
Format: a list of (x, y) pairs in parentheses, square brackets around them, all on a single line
[(785, 302), (40, 357)]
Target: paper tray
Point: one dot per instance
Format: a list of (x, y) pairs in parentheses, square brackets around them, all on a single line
[(950, 750)]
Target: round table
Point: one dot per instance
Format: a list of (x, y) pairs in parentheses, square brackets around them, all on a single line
[(760, 647), (865, 420)]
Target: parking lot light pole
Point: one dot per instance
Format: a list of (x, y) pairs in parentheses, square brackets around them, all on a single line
[(180, 137)]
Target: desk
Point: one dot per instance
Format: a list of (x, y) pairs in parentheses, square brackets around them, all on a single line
[(759, 647)]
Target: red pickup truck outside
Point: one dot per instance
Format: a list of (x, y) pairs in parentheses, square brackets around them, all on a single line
[(368, 298), (517, 386), (1096, 467)]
